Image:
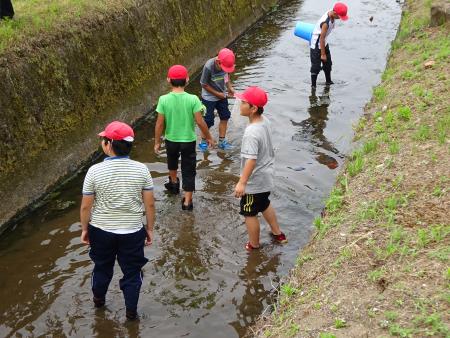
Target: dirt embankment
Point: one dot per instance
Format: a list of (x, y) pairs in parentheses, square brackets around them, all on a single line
[(378, 264), (60, 87)]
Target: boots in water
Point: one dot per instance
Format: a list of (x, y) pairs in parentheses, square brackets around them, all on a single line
[(328, 78)]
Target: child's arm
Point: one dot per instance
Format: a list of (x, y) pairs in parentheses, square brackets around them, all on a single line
[(229, 86), (149, 204), (216, 93), (204, 128), (323, 34), (249, 166), (85, 216), (159, 129)]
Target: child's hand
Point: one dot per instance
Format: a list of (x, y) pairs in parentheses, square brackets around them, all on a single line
[(239, 190), (211, 142), (149, 237), (323, 57), (156, 148), (84, 237)]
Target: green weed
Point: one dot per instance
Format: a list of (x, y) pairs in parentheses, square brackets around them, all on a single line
[(379, 93), (376, 275), (394, 147), (404, 113), (423, 133), (438, 191), (368, 210), (334, 202), (370, 146), (288, 290), (408, 74), (326, 335), (391, 315), (397, 330), (293, 329), (355, 166), (435, 325), (340, 323)]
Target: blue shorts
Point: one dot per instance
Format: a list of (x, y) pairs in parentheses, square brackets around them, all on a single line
[(222, 109)]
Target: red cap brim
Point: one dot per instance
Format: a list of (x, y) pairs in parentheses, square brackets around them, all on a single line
[(240, 96), (344, 18), (227, 69), (103, 133)]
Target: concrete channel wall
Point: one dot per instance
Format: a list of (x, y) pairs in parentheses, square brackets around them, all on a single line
[(57, 93)]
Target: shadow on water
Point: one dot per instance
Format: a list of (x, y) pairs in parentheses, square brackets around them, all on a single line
[(200, 279)]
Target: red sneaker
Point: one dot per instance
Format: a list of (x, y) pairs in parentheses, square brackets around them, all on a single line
[(250, 247), (281, 238)]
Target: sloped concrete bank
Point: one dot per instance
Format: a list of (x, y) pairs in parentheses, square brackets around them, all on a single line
[(58, 90)]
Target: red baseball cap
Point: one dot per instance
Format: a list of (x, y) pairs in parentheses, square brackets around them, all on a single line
[(341, 10), (253, 95), (118, 131), (226, 58), (177, 72)]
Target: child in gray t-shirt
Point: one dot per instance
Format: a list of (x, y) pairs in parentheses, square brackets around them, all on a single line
[(257, 158)]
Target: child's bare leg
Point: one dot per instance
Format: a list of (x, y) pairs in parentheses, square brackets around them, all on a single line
[(187, 197), (252, 224), (271, 218), (173, 175)]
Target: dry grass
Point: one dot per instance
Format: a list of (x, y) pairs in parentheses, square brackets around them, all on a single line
[(379, 264)]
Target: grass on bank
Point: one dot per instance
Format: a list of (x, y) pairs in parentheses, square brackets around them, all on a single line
[(36, 17), (380, 262)]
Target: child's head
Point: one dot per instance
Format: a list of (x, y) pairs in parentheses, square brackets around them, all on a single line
[(225, 60), (117, 139), (253, 100), (177, 76), (340, 11)]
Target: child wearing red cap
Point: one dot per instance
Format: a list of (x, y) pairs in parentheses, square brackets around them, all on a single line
[(178, 111), (319, 50), (216, 87), (115, 194), (257, 173)]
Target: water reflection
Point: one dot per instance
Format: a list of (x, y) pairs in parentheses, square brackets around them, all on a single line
[(312, 129), (260, 266)]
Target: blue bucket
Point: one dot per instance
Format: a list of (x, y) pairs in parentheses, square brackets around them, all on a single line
[(304, 30)]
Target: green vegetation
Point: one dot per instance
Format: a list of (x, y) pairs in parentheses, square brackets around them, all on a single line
[(35, 17)]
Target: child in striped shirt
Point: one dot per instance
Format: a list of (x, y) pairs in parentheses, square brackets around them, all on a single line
[(115, 194)]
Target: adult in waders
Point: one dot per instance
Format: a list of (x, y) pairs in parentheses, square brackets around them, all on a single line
[(319, 49)]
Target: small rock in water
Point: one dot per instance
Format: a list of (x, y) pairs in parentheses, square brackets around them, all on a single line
[(371, 19), (429, 64)]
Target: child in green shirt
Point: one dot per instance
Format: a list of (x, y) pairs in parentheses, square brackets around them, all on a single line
[(178, 112)]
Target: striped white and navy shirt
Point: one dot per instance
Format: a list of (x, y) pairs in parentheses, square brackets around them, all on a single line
[(117, 184)]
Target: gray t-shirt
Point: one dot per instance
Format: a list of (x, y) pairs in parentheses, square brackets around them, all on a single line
[(257, 144), (215, 78)]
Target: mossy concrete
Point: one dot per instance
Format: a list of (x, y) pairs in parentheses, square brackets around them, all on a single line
[(57, 92)]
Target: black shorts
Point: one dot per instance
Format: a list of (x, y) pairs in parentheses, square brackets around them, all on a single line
[(188, 161), (252, 204), (316, 62)]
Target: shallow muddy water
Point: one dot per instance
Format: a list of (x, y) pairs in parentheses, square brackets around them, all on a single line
[(200, 282)]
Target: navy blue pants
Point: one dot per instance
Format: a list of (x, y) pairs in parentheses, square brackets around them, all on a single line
[(129, 250), (222, 109)]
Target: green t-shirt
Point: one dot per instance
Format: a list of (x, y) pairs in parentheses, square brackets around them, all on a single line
[(179, 110)]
